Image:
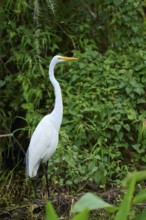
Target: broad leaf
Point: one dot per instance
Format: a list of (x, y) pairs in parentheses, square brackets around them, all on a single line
[(50, 212), (90, 201), (82, 215)]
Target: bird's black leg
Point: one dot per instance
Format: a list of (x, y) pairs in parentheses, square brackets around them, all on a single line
[(36, 186), (47, 182)]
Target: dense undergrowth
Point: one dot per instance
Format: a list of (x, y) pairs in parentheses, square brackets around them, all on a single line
[(103, 135), (89, 202)]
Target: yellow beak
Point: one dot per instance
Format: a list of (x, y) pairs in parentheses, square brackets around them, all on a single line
[(67, 58)]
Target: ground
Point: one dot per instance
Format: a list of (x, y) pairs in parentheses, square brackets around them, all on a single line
[(17, 199)]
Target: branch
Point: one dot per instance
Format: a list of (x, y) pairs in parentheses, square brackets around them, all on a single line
[(6, 135)]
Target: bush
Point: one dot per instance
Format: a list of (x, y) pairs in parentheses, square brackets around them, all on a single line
[(104, 107), (126, 210), (103, 131)]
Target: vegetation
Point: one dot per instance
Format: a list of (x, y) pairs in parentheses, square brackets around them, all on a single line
[(103, 135), (90, 202)]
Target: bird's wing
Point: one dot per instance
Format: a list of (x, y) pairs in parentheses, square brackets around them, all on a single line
[(42, 145)]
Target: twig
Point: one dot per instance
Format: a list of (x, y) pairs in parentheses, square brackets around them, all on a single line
[(6, 135)]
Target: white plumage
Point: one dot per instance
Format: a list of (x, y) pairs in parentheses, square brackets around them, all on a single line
[(41, 145), (44, 140)]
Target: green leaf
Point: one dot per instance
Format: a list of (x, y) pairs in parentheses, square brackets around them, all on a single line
[(135, 28), (139, 91), (42, 70), (50, 212), (82, 215), (141, 216), (2, 83), (126, 202), (117, 128), (127, 127), (90, 201), (140, 197), (117, 2), (28, 106), (139, 176)]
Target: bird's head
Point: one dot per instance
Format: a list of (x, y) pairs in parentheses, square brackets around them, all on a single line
[(59, 59)]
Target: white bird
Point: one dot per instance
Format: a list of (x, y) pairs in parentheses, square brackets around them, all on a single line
[(44, 139)]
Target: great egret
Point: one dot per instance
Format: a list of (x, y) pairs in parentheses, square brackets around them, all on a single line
[(44, 139)]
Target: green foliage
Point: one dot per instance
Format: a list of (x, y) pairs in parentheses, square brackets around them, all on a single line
[(126, 26), (130, 182), (50, 212), (89, 202), (104, 106), (103, 132), (140, 197), (82, 215)]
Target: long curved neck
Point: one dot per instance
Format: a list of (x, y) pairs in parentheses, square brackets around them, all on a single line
[(58, 108)]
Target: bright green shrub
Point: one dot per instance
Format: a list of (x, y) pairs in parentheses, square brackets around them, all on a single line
[(104, 93), (104, 105)]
